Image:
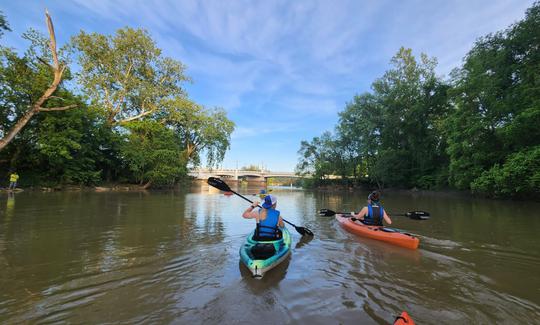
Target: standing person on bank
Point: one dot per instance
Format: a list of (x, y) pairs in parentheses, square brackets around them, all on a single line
[(373, 214), (13, 178)]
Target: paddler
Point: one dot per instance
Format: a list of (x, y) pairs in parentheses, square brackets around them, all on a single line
[(268, 219), (374, 213)]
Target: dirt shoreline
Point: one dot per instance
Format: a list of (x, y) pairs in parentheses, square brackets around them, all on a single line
[(113, 188)]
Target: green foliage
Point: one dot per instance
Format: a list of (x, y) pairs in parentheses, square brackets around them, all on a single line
[(496, 102), (518, 176), (200, 130), (411, 101), (126, 74), (322, 157), (22, 80), (68, 149), (313, 158), (359, 130), (153, 153)]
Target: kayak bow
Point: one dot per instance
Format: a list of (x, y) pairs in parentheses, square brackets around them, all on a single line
[(404, 319)]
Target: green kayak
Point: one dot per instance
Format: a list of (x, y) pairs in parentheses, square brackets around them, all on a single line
[(261, 256)]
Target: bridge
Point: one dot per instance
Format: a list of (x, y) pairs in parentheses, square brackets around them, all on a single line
[(236, 174)]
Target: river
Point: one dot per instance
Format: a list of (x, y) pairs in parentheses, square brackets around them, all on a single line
[(172, 257)]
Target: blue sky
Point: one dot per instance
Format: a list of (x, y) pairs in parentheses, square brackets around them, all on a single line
[(282, 69)]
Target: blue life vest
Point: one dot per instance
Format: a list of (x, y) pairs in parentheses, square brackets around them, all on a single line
[(269, 226), (375, 215)]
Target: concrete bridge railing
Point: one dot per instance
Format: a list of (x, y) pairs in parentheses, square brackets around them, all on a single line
[(204, 173)]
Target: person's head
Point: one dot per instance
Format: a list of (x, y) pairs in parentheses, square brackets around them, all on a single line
[(270, 201), (374, 197)]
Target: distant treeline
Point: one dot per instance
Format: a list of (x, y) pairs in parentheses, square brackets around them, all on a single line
[(120, 114), (477, 130)]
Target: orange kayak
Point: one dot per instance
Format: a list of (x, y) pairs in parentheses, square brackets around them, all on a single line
[(379, 233), (404, 319)]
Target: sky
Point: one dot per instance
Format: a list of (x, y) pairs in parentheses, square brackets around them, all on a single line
[(282, 70)]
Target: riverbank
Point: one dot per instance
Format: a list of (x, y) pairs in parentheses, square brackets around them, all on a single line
[(446, 192), (103, 187), (423, 192), (71, 188)]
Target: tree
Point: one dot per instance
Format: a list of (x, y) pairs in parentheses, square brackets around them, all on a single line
[(126, 75), (359, 129), (317, 157), (200, 130), (411, 100), (32, 64), (68, 147), (496, 104), (153, 153), (393, 134)]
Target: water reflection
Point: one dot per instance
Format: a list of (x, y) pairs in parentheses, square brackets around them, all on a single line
[(304, 240), (10, 205)]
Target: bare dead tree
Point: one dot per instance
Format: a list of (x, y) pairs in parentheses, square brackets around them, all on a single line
[(58, 70)]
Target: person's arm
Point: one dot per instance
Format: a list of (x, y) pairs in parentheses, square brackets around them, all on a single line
[(249, 213), (361, 214), (387, 218), (280, 222)]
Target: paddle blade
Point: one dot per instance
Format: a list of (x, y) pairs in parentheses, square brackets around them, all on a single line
[(418, 215), (326, 212), (219, 184), (303, 231)]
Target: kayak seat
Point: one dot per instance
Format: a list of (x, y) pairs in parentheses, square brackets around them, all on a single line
[(261, 251), (267, 235)]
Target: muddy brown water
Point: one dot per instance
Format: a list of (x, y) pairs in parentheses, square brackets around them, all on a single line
[(172, 257)]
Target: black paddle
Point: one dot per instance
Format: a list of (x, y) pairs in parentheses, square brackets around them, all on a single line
[(221, 185), (416, 215)]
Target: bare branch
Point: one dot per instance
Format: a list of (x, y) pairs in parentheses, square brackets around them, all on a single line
[(129, 119), (128, 72), (118, 107), (51, 109), (53, 39), (108, 99)]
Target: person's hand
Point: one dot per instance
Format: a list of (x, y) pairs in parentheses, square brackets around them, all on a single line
[(254, 204)]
